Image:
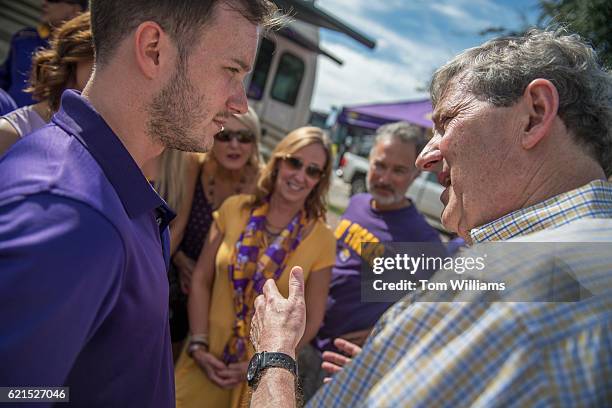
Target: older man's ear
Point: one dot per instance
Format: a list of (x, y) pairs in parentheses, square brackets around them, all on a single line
[(541, 102)]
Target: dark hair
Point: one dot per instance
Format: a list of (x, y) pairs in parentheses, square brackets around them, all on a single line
[(113, 20), (53, 69)]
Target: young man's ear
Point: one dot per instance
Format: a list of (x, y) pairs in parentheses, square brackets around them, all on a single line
[(150, 46), (542, 103)]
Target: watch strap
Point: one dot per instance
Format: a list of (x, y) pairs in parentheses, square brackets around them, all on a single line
[(279, 360), (264, 360)]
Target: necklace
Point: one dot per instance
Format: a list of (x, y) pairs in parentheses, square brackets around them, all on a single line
[(268, 236), (237, 189), (272, 231)]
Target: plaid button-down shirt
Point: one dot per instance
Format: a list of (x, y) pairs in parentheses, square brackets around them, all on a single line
[(453, 354)]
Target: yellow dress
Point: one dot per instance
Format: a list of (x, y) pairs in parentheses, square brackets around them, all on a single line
[(315, 252)]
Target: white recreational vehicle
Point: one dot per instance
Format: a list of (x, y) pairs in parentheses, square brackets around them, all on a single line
[(282, 82)]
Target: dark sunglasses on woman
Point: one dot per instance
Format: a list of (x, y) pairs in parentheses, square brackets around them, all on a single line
[(243, 136), (312, 170)]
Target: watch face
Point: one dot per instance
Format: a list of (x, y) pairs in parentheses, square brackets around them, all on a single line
[(253, 366)]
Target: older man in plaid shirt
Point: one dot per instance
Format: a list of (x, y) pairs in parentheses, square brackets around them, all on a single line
[(523, 145)]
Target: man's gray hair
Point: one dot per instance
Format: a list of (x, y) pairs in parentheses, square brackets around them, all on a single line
[(499, 70), (403, 132)]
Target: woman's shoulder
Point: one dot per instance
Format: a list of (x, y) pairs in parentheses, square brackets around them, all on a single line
[(237, 202), (24, 120), (320, 230)]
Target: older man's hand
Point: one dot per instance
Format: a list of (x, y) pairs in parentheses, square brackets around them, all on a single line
[(278, 323)]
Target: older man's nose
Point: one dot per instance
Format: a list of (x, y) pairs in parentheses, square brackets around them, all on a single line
[(430, 158)]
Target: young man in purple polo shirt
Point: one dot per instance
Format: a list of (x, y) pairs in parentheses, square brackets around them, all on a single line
[(83, 237)]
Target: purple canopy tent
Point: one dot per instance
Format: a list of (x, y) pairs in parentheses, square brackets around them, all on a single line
[(374, 115)]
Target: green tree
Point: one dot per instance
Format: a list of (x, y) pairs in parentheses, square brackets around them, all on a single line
[(592, 19)]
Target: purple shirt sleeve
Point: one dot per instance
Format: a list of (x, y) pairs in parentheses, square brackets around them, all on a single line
[(61, 266)]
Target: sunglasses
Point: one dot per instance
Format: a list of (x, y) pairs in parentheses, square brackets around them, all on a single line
[(312, 170), (242, 136)]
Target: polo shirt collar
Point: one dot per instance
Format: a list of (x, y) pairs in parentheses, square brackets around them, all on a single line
[(593, 200), (78, 118)]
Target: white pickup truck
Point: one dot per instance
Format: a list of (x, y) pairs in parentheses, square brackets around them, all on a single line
[(424, 192)]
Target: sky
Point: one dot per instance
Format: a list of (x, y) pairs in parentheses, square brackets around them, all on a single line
[(413, 37)]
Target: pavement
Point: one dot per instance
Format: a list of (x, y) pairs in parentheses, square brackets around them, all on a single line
[(338, 198)]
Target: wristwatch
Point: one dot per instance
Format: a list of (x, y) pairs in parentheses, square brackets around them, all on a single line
[(264, 360)]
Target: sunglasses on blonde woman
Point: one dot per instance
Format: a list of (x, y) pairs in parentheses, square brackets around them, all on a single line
[(243, 136), (312, 170)]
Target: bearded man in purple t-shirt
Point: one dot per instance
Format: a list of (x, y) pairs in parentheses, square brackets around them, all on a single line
[(382, 215)]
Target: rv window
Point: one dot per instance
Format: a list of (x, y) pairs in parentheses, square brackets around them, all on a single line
[(262, 67), (288, 79)]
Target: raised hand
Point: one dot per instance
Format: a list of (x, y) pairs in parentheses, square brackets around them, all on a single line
[(278, 323)]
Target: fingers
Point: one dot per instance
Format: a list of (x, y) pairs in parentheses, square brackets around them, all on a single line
[(335, 358), (326, 380), (357, 338), (270, 290), (214, 362), (233, 374), (296, 283), (261, 300), (347, 347), (221, 382), (330, 368)]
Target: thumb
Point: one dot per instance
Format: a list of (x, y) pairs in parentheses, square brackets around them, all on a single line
[(296, 283)]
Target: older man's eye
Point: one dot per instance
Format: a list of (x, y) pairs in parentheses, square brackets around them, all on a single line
[(446, 122)]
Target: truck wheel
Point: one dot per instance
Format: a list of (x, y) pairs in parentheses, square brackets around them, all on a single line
[(358, 184)]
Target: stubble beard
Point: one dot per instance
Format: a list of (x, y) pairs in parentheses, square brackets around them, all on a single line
[(384, 200), (177, 115)]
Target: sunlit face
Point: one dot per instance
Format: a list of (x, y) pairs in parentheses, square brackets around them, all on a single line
[(208, 87), (294, 185), (391, 171), (474, 151), (55, 13), (232, 154)]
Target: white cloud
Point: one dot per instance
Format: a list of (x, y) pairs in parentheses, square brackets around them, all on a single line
[(413, 39), (458, 13), (362, 80)]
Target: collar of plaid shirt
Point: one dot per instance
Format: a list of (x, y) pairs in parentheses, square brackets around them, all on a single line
[(593, 200)]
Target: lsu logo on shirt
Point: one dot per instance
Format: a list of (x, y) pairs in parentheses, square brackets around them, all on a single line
[(353, 235)]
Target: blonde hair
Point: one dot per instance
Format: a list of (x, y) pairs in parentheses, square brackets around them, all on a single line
[(316, 202), (53, 69), (169, 182), (251, 121)]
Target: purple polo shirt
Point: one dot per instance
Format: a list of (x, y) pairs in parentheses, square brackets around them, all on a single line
[(345, 312), (83, 258)]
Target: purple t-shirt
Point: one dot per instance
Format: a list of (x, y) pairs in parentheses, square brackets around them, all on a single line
[(84, 250), (345, 312)]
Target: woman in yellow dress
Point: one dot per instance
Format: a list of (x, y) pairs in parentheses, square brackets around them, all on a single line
[(255, 238)]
